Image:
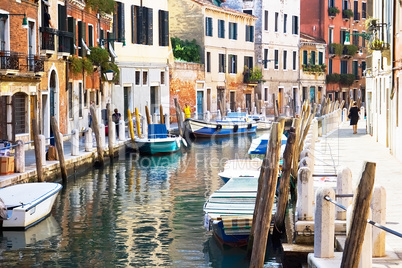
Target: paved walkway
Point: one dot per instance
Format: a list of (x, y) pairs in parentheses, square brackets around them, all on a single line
[(343, 148)]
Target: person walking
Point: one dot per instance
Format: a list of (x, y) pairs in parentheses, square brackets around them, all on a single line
[(354, 116), (116, 117)]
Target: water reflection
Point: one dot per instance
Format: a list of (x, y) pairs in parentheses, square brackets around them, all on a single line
[(141, 211)]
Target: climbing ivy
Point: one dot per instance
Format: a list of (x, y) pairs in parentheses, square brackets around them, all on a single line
[(188, 51)]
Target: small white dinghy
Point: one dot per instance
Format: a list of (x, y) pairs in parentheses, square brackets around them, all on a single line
[(241, 168), (26, 204)]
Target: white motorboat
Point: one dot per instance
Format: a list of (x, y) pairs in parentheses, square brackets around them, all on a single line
[(26, 204), (242, 168)]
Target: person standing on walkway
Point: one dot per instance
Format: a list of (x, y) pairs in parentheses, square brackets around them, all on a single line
[(187, 111), (116, 117), (354, 116)]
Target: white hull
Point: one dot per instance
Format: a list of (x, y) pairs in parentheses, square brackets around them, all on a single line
[(28, 203)]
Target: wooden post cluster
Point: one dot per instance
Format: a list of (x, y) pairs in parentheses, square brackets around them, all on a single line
[(265, 197), (179, 117), (111, 131), (38, 157)]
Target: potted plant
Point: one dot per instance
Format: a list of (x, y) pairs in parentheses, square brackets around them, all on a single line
[(347, 13), (333, 11), (75, 64), (371, 24)]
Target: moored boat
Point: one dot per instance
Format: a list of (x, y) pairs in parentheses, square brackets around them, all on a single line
[(26, 204), (259, 145), (203, 129), (242, 168), (229, 211), (158, 141)]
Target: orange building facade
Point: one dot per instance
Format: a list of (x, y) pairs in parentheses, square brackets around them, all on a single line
[(333, 21)]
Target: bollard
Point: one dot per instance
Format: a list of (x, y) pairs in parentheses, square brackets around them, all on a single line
[(88, 140), (305, 192), (255, 110), (219, 116), (307, 162), (208, 116), (378, 208), (343, 186), (20, 157), (102, 136), (75, 142), (155, 119), (112, 136), (366, 253), (238, 109), (167, 121), (324, 224), (306, 153), (345, 115), (42, 146), (287, 111), (122, 131)]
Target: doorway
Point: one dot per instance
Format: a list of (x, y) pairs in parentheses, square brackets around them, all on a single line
[(154, 100), (312, 95), (200, 102), (126, 101), (232, 97), (208, 99), (248, 103)]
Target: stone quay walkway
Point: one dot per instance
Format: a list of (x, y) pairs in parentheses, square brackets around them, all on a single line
[(342, 148)]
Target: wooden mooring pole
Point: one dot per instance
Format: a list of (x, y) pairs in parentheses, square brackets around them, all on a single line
[(266, 195), (284, 183), (58, 142), (148, 115), (38, 157), (162, 119), (179, 117), (97, 136), (110, 131), (361, 208)]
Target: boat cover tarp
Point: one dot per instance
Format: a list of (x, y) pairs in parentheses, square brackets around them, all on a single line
[(157, 131), (237, 222), (236, 115)]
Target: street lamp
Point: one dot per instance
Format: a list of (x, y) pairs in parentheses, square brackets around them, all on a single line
[(24, 20), (109, 75)]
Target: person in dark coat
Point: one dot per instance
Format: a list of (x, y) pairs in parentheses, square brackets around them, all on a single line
[(354, 116)]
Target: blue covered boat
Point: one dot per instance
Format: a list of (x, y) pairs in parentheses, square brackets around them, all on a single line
[(202, 129), (158, 141), (259, 145)]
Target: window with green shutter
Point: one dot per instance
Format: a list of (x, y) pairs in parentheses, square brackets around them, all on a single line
[(305, 53), (72, 29), (163, 28), (233, 30), (320, 58), (221, 28), (208, 26)]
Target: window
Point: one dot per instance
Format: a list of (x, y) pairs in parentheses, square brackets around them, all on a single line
[(208, 26), (221, 28), (276, 21), (344, 67), (363, 42), (363, 68), (345, 4), (20, 110), (232, 64), (142, 25), (295, 25), (81, 37), (208, 62), (285, 59), (163, 28), (330, 66), (248, 61), (364, 10), (305, 54), (249, 33), (331, 3), (70, 100), (266, 58), (320, 58), (85, 98), (137, 77), (355, 68), (90, 35), (266, 20), (248, 11), (118, 22), (162, 77), (355, 38), (294, 60), (330, 36), (80, 99), (97, 98), (222, 63), (233, 30), (312, 58), (342, 36), (266, 94), (145, 78), (276, 65), (285, 19)]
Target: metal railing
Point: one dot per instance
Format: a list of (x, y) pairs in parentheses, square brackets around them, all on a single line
[(9, 60), (47, 38), (382, 227)]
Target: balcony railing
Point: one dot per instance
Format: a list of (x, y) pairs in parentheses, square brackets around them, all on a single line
[(65, 41), (9, 60), (331, 50), (47, 38), (35, 64)]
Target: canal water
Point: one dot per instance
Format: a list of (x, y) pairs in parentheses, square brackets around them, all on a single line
[(140, 212)]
